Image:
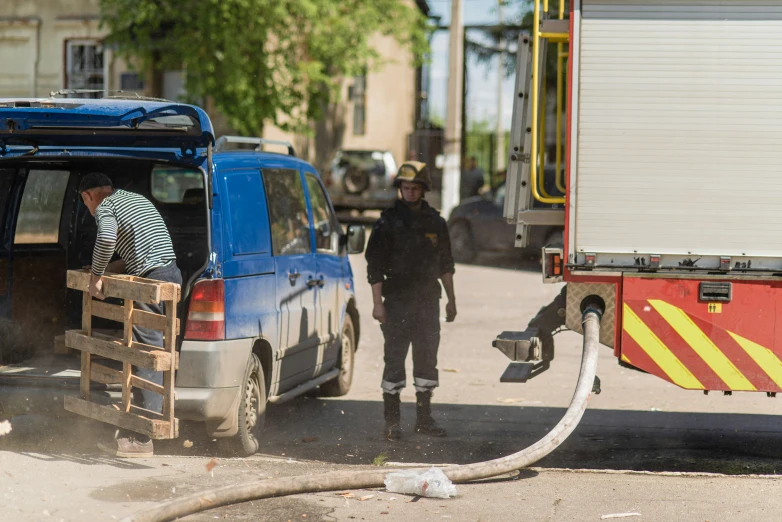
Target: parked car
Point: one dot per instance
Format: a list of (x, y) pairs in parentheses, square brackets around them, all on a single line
[(255, 236), (477, 225), (361, 179)]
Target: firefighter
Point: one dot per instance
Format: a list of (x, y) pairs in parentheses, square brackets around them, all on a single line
[(408, 251)]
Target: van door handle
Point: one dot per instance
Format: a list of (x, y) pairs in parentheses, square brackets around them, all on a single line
[(293, 276), (316, 282)]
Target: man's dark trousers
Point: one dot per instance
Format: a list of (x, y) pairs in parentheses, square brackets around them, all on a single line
[(150, 400), (410, 320)]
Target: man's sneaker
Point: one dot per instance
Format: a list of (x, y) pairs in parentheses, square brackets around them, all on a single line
[(128, 447)]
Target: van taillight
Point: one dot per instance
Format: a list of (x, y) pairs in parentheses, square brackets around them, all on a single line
[(206, 314)]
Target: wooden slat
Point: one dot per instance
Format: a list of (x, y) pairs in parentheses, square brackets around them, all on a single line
[(84, 382), (141, 355), (168, 291), (143, 319), (86, 312), (118, 286), (144, 384), (104, 374), (156, 429), (127, 321), (169, 341), (127, 377)]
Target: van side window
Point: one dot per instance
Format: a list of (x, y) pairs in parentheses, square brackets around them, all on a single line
[(290, 222), (39, 213), (326, 224), (177, 185)]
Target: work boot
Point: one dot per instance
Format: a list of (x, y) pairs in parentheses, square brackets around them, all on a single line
[(424, 423), (128, 447), (392, 414)]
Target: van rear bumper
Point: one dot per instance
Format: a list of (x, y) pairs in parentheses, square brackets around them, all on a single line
[(209, 378), (203, 404)]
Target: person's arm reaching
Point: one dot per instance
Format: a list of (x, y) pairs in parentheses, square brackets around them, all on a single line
[(105, 244)]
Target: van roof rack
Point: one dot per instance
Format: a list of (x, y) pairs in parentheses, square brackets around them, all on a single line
[(222, 141)]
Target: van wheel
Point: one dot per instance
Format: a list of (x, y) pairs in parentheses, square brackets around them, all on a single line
[(462, 242), (252, 413), (340, 385)]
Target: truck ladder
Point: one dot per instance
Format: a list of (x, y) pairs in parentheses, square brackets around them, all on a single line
[(528, 129)]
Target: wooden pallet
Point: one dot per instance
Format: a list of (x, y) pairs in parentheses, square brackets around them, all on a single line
[(128, 352)]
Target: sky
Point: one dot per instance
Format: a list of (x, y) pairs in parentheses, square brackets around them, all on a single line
[(482, 79)]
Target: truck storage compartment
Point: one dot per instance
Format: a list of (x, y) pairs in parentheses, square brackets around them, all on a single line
[(47, 230), (704, 334), (676, 132)]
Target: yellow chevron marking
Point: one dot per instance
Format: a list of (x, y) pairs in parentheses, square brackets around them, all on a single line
[(703, 346), (660, 354), (625, 359), (765, 358)]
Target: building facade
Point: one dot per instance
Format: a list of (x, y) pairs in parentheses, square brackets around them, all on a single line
[(52, 45)]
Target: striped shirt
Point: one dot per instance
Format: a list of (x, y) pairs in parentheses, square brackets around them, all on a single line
[(129, 224)]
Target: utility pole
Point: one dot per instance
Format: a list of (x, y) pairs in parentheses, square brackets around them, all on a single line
[(500, 77), (453, 124)]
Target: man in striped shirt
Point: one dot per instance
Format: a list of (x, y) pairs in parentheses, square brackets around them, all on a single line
[(131, 226)]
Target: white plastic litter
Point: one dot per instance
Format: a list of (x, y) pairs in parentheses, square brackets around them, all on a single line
[(5, 427), (430, 483)]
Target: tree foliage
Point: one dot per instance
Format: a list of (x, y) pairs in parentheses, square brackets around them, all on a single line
[(517, 22), (263, 61)]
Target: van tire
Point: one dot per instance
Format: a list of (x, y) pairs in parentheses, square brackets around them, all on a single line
[(462, 242), (340, 385), (251, 414)]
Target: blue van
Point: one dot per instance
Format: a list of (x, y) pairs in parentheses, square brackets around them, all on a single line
[(268, 308)]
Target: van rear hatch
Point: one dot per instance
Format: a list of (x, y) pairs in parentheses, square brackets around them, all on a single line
[(103, 123), (150, 147)]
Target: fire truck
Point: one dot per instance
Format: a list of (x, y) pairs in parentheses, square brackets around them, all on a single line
[(671, 168)]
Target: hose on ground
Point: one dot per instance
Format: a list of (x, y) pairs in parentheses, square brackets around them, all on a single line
[(334, 481)]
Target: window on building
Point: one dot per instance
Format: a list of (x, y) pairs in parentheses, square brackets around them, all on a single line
[(39, 213), (326, 224), (357, 93), (290, 222), (84, 66)]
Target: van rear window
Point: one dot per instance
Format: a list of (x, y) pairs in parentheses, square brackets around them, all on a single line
[(41, 208), (177, 185)]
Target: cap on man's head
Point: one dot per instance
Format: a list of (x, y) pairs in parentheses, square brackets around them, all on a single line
[(94, 180)]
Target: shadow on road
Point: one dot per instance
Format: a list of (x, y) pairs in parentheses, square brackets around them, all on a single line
[(348, 432)]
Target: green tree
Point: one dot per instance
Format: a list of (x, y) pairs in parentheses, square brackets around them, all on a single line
[(519, 20), (263, 61)]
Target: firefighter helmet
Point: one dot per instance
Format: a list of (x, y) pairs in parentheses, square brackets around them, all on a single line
[(414, 171)]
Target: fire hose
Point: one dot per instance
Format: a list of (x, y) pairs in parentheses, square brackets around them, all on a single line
[(341, 480)]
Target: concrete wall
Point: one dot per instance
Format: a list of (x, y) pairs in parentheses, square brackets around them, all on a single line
[(32, 43), (390, 110)]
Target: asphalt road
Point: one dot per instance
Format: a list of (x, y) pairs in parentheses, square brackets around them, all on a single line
[(644, 446)]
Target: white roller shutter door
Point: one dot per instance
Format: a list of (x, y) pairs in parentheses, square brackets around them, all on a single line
[(679, 127)]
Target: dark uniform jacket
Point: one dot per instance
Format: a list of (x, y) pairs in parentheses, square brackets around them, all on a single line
[(408, 251)]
